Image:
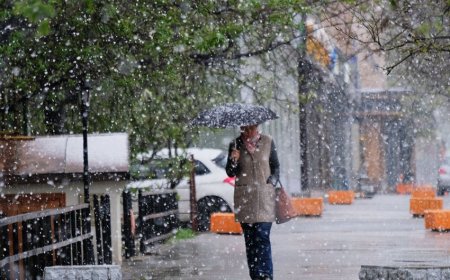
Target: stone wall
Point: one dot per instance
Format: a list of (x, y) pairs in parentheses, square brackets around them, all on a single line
[(403, 273), (85, 272)]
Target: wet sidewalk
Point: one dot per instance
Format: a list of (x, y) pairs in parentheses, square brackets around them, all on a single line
[(377, 231)]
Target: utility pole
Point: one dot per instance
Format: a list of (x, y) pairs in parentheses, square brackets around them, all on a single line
[(303, 70)]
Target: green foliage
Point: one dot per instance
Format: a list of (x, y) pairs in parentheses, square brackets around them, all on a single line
[(34, 10), (182, 234), (393, 3), (178, 168), (150, 66), (307, 98)]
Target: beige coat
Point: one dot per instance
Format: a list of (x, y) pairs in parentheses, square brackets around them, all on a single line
[(254, 199)]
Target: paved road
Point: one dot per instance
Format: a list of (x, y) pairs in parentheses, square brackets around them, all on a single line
[(377, 231)]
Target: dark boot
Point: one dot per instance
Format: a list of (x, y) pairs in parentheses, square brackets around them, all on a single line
[(262, 277)]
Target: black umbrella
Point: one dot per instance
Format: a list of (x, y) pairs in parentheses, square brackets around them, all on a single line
[(234, 114)]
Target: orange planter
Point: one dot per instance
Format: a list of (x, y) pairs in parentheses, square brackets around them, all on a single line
[(423, 192), (437, 219), (341, 197), (429, 218), (224, 223), (308, 206), (404, 188), (418, 206)]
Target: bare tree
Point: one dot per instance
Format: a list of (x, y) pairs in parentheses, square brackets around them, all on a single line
[(413, 36)]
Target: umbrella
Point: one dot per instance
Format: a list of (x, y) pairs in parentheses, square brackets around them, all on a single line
[(234, 114)]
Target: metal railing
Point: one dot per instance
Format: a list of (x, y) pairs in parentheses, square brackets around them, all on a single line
[(129, 223), (157, 219), (158, 216), (29, 242), (102, 213)]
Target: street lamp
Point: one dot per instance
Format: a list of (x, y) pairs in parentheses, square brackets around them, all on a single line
[(84, 119), (88, 256)]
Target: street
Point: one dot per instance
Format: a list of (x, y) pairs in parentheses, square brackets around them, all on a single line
[(377, 231), (117, 119)]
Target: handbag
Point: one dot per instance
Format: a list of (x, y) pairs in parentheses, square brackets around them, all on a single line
[(284, 210)]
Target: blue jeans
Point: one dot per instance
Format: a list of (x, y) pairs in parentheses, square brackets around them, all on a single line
[(259, 251)]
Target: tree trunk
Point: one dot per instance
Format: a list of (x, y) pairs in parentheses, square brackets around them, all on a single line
[(55, 117)]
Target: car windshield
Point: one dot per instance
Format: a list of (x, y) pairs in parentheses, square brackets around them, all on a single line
[(221, 160)]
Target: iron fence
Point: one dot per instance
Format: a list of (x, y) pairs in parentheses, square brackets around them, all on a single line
[(29, 242), (102, 212), (158, 216), (156, 222)]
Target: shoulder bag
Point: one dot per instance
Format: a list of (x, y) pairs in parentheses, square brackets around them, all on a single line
[(284, 210)]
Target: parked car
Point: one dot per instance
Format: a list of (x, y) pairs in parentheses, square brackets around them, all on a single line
[(444, 176), (214, 189)]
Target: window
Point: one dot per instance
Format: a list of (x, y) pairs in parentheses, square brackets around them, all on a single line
[(156, 169), (200, 168), (221, 160)]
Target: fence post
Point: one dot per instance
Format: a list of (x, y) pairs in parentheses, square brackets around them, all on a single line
[(88, 250), (173, 206), (74, 221), (128, 237), (158, 207), (98, 233), (193, 196), (142, 231), (64, 234), (106, 228)]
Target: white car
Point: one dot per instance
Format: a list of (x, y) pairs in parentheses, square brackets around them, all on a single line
[(214, 189)]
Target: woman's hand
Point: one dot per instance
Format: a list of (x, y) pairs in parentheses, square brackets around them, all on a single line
[(235, 155)]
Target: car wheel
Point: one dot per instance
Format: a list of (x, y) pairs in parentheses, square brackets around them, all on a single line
[(208, 205)]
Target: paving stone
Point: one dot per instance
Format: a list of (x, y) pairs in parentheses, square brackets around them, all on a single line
[(373, 232), (83, 272)]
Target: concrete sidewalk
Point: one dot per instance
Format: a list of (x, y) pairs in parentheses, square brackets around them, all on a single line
[(377, 231)]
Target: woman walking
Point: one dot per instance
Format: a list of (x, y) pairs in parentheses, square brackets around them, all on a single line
[(253, 159)]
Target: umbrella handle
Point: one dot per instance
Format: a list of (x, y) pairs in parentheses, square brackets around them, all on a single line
[(236, 147)]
